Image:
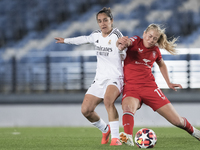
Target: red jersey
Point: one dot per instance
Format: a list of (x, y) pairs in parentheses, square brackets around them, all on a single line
[(139, 61)]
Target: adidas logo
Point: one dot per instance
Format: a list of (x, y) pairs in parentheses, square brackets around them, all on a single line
[(115, 83)]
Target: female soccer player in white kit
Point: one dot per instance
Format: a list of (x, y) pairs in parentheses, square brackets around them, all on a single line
[(108, 81)]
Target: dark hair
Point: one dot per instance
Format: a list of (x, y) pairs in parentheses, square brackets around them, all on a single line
[(107, 11)]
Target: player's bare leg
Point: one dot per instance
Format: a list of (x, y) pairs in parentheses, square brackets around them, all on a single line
[(88, 106), (168, 112), (112, 92)]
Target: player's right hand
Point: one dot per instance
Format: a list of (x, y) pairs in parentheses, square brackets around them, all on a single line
[(59, 40)]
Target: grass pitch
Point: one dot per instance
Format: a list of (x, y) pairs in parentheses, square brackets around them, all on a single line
[(86, 138)]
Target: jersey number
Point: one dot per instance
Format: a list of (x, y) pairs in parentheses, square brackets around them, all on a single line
[(160, 93)]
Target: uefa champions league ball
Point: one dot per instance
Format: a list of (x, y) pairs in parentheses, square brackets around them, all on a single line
[(145, 138)]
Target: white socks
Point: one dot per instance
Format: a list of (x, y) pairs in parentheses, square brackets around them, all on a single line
[(101, 125), (114, 127)]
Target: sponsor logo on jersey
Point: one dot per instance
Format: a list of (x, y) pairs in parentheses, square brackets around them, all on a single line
[(100, 48), (97, 41), (103, 53), (144, 63)]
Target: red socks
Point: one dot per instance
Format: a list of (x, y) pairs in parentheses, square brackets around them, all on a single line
[(187, 126), (128, 122)]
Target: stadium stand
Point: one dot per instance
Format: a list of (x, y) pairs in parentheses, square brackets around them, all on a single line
[(36, 23)]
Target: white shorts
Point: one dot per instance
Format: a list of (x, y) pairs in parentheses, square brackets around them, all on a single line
[(98, 89)]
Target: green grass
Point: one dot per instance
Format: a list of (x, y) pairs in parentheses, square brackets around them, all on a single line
[(85, 138)]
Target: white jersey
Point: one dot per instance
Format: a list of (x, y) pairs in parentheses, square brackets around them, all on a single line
[(109, 57)]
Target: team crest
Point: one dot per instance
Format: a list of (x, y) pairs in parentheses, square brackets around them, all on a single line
[(109, 42), (154, 54)]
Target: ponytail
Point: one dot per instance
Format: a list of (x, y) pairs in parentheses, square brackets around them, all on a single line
[(163, 43)]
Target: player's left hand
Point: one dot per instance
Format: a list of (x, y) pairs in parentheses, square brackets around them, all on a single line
[(122, 42), (174, 86)]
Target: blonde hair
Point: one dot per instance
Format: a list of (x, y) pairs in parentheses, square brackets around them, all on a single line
[(162, 41)]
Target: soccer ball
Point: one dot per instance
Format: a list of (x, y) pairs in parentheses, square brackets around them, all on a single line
[(145, 138)]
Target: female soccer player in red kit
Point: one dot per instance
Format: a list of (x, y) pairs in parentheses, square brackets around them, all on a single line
[(139, 82)]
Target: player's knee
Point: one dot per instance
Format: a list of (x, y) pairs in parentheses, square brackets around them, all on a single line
[(85, 111), (108, 102), (127, 108)]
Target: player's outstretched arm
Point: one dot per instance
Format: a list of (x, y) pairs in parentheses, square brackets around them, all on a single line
[(59, 40), (164, 71)]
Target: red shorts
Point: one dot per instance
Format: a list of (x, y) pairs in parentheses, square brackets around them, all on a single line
[(150, 94)]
